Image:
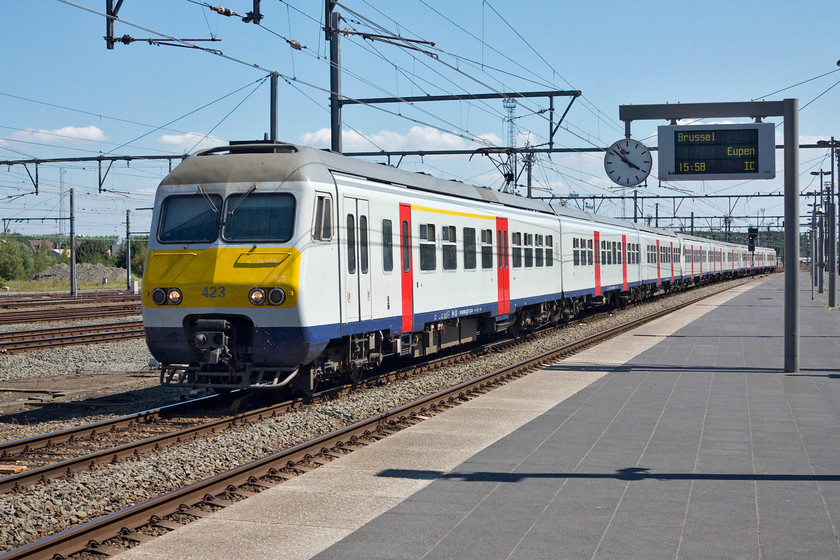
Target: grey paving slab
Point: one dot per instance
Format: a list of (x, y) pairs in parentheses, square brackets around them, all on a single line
[(698, 447)]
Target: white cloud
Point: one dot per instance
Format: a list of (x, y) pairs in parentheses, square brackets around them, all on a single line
[(189, 142), (66, 134), (417, 138)]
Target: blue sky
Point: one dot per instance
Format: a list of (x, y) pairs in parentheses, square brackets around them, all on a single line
[(66, 95)]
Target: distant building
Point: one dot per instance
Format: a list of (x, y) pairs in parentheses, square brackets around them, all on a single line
[(36, 244)]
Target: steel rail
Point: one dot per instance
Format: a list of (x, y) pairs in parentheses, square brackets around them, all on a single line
[(65, 331), (300, 458), (67, 336), (35, 316), (83, 301)]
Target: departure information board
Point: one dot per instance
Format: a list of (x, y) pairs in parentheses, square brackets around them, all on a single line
[(721, 151)]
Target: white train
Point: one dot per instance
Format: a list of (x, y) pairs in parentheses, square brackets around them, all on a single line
[(276, 264)]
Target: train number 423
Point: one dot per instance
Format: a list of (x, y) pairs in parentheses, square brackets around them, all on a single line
[(213, 291)]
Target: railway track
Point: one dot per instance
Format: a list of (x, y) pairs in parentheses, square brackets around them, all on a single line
[(117, 531), (18, 341), (69, 314), (41, 300)]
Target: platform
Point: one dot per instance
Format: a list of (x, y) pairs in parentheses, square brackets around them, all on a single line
[(682, 439)]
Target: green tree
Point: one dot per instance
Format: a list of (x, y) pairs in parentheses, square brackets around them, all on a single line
[(15, 260), (138, 255), (43, 258), (93, 251)]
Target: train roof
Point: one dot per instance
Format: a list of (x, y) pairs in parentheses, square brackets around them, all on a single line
[(255, 162)]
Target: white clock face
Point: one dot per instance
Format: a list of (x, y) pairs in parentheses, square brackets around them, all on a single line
[(627, 162)]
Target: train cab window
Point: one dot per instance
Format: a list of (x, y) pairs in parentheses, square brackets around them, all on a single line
[(469, 248), (450, 248), (351, 244), (516, 249), (322, 226), (529, 250), (538, 250), (487, 248), (427, 247), (191, 218), (363, 244), (387, 246), (549, 250), (259, 217)]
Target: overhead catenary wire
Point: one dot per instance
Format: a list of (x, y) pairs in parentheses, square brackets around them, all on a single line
[(301, 89)]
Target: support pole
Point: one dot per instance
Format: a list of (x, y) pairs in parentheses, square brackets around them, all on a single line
[(821, 244), (813, 247), (72, 246), (273, 125), (128, 249), (636, 206), (832, 236), (335, 82), (791, 135)]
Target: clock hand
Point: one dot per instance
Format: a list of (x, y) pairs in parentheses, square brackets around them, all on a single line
[(627, 161)]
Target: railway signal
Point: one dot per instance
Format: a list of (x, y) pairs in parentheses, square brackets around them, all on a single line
[(752, 235)]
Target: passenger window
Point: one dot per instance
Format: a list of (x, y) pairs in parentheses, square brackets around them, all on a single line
[(549, 250), (363, 244), (516, 245), (351, 244), (427, 247), (450, 249), (529, 250), (405, 243), (469, 248), (590, 252), (575, 251), (538, 250), (487, 248), (387, 246)]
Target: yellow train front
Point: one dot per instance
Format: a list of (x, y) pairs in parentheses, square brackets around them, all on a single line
[(221, 301)]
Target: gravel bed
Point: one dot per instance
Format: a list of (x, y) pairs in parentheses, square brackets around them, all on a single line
[(21, 327), (48, 508), (126, 355)]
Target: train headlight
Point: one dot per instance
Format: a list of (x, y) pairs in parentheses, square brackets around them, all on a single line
[(257, 296), (158, 296), (174, 296), (276, 296)]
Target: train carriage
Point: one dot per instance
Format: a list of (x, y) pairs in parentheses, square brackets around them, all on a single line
[(274, 264)]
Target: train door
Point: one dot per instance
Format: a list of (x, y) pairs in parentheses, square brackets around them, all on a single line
[(406, 280), (503, 270), (356, 255), (658, 264), (597, 236), (624, 263)]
